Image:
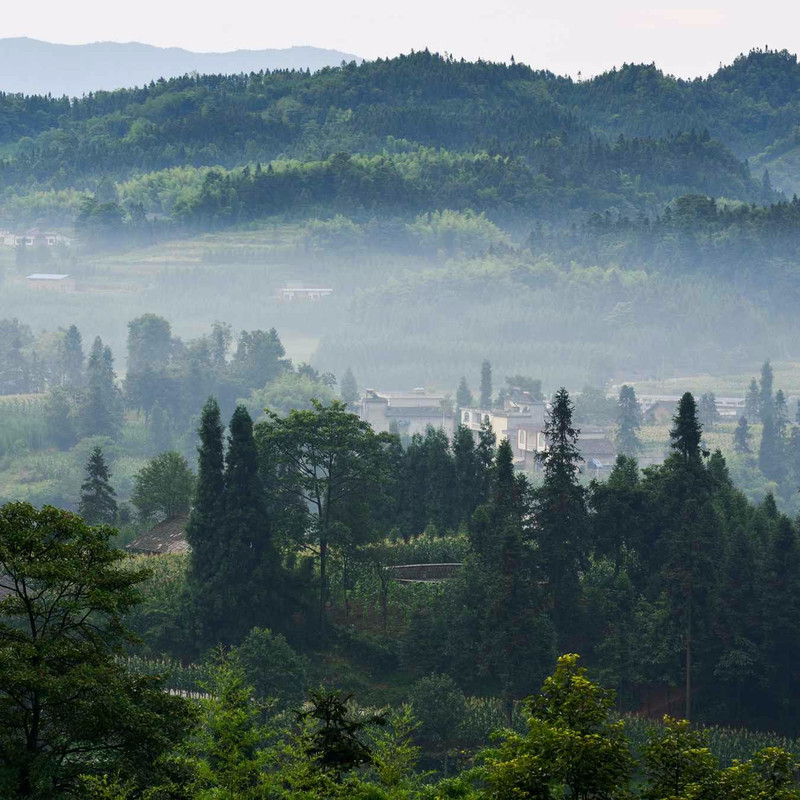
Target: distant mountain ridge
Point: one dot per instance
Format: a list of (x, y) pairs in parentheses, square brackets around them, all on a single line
[(31, 66)]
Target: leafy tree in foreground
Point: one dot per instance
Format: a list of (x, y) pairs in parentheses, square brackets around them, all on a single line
[(68, 706), (571, 742), (97, 504), (164, 487)]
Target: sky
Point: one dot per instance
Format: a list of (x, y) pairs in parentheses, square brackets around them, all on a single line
[(585, 36)]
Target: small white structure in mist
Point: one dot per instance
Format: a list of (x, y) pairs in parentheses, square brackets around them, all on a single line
[(51, 282), (297, 290)]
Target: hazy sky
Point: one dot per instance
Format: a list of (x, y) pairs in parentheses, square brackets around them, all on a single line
[(567, 37)]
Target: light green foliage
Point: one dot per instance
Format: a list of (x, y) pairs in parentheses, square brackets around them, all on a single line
[(289, 391), (164, 488), (571, 743)]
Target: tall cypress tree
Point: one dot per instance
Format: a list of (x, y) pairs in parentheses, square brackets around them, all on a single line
[(97, 504), (464, 397), (687, 432), (766, 402), (629, 421), (72, 358), (486, 385), (771, 453), (467, 474), (249, 565), (205, 531), (751, 402)]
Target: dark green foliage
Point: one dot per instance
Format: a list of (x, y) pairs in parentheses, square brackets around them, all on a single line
[(97, 502), (69, 707), (149, 343), (337, 743), (687, 430), (771, 453), (629, 421), (272, 667), (561, 512), (205, 528)]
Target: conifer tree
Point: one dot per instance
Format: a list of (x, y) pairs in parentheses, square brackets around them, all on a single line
[(741, 437), (771, 460), (249, 565), (485, 452), (486, 386), (97, 504), (751, 402), (766, 401), (349, 388), (101, 411), (708, 411), (72, 358), (464, 397), (629, 421), (561, 517), (687, 431), (466, 474), (205, 530), (781, 413)]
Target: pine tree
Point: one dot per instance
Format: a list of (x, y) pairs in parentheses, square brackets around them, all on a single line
[(464, 397), (781, 413), (205, 531), (101, 410), (486, 386), (687, 431), (629, 421), (561, 517), (741, 437), (751, 402), (771, 457), (72, 358), (766, 401), (485, 452), (97, 504), (466, 474), (349, 388), (707, 411)]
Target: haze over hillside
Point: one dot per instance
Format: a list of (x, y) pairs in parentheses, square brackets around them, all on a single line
[(35, 67)]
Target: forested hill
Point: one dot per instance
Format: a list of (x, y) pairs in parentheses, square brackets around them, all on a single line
[(565, 132)]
